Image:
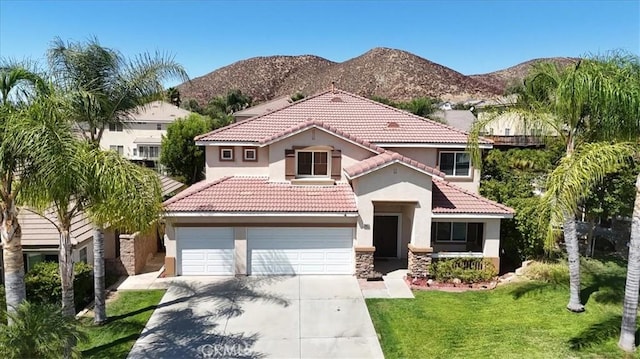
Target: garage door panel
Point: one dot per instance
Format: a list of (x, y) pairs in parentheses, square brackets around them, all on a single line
[(206, 251), (305, 250)]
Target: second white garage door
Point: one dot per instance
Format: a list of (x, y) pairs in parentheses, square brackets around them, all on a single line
[(302, 250), (205, 251)]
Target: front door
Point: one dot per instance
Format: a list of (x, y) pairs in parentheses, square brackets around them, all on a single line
[(385, 236)]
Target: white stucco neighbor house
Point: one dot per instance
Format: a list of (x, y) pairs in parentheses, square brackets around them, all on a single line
[(327, 184), (139, 139)]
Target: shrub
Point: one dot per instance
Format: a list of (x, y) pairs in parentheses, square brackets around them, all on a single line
[(39, 331), (44, 287), (3, 306), (550, 272), (468, 270)]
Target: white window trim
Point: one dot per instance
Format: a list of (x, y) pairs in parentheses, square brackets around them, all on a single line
[(451, 240), (228, 150), (255, 154), (455, 153), (328, 175)]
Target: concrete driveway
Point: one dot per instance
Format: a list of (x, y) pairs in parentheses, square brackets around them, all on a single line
[(260, 317)]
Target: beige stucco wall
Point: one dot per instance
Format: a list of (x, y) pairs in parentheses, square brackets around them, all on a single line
[(216, 169), (129, 134), (351, 153), (429, 156), (394, 183)]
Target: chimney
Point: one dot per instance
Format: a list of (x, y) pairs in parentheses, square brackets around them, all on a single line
[(333, 86)]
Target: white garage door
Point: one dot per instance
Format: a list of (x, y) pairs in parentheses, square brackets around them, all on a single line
[(301, 250), (205, 251)]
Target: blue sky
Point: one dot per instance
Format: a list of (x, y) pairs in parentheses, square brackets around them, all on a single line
[(468, 36)]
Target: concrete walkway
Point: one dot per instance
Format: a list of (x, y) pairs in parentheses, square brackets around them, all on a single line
[(260, 317), (392, 286)]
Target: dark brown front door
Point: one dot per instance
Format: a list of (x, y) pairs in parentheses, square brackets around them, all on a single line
[(385, 236)]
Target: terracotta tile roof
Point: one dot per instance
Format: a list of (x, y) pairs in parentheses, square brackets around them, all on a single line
[(358, 116), (383, 159), (257, 194), (451, 199)]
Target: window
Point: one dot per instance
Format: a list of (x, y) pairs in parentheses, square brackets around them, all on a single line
[(250, 154), (226, 153), (457, 232), (83, 255), (507, 132), (159, 127), (312, 163), (154, 151), (115, 127), (454, 163), (135, 151), (117, 148)]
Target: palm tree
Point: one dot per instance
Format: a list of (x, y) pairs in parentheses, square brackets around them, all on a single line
[(38, 331), (593, 102), (106, 89), (18, 86), (630, 307)]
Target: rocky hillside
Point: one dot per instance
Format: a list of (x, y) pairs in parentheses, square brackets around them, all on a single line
[(501, 79), (394, 74)]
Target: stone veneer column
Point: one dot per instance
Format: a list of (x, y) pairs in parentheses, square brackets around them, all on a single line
[(419, 261), (364, 261)]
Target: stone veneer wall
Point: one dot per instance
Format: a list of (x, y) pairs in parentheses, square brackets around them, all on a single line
[(419, 261), (364, 261), (135, 250)]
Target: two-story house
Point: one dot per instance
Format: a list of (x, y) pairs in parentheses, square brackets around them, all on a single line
[(140, 137), (324, 186)]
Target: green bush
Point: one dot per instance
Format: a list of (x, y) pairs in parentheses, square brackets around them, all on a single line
[(550, 272), (445, 270), (44, 287), (3, 306)]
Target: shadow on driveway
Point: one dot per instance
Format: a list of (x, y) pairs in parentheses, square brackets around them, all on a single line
[(190, 321)]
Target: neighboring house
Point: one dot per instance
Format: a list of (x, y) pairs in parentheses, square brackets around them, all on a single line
[(324, 186), (140, 137), (460, 119), (40, 239), (262, 108)]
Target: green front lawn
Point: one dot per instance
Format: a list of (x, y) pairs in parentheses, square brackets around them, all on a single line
[(128, 314), (520, 320)]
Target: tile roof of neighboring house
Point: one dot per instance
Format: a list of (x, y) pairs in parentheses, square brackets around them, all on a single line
[(373, 163), (40, 232), (257, 194), (157, 111), (450, 199), (169, 185), (358, 116), (264, 107)]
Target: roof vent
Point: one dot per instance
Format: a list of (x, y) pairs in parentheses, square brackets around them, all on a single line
[(393, 125), (336, 99)]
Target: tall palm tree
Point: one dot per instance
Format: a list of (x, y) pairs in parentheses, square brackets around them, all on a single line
[(591, 102), (630, 305), (19, 85), (106, 88)]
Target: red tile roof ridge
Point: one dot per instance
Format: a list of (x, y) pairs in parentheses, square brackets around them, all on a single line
[(317, 123), (383, 158), (475, 195), (411, 114), (195, 188), (236, 124)]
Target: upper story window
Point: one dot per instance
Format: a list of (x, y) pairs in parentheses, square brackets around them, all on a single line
[(159, 126), (249, 154), (115, 127), (455, 163), (226, 153), (312, 163), (119, 149)]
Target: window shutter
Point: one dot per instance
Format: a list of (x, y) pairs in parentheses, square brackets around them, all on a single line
[(289, 164), (336, 164)]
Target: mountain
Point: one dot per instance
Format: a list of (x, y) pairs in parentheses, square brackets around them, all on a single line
[(501, 79), (394, 74)]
